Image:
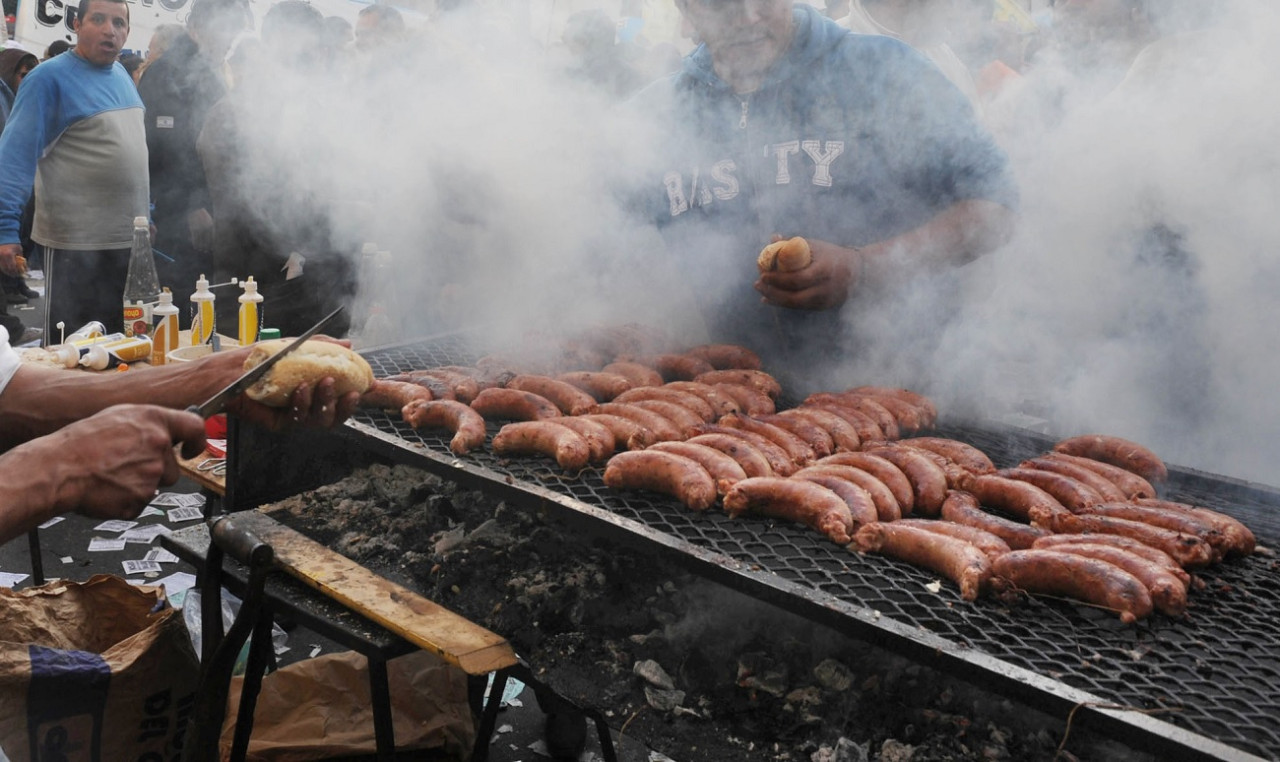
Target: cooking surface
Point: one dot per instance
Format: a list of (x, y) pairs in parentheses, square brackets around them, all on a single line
[(1213, 673)]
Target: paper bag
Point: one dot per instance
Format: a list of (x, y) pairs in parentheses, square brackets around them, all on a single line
[(95, 671)]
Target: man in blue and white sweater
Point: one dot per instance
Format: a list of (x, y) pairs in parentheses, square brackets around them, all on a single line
[(76, 133)]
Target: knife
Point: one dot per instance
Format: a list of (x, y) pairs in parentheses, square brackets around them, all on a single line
[(218, 402)]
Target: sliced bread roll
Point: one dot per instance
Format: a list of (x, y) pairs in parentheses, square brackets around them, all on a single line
[(308, 364)]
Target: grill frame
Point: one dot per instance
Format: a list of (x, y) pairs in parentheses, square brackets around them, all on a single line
[(797, 570)]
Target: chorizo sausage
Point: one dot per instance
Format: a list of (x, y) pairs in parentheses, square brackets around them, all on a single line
[(795, 500), (1242, 541), (983, 540), (600, 385), (796, 449), (1154, 555), (957, 560), (844, 437), (928, 411), (752, 461), (963, 508), (439, 389), (906, 415), (1128, 455), (779, 462), (726, 356), (635, 373), (664, 472), (882, 469), (862, 423), (749, 400), (819, 441), (755, 379), (862, 509), (1050, 572), (675, 367), (965, 455), (1168, 593), (464, 387), (1076, 496), (1132, 485), (724, 470), (627, 434), (1188, 550), (1106, 489), (466, 424), (1183, 522), (682, 417), (721, 403), (514, 405), (660, 425), (928, 480), (879, 414), (1021, 499), (887, 508), (543, 437), (393, 395), (689, 400), (569, 399), (599, 438)]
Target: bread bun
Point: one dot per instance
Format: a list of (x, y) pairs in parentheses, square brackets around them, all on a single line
[(310, 363), (787, 256)]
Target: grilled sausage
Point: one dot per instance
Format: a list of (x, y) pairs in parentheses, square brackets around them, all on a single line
[(484, 378), (688, 400), (1105, 488), (797, 450), (724, 470), (1154, 555), (795, 500), (983, 540), (965, 455), (878, 413), (862, 509), (393, 395), (1182, 522), (749, 400), (957, 560), (599, 437), (928, 411), (862, 423), (675, 367), (660, 425), (962, 508), (810, 433), (1132, 485), (928, 480), (627, 434), (684, 419), (1022, 499), (755, 379), (438, 388), (887, 508), (844, 437), (514, 405), (543, 437), (1128, 455), (569, 399), (1051, 572), (779, 461), (721, 403), (752, 461), (466, 424), (882, 469), (600, 385), (1241, 539), (906, 415), (1076, 496), (1168, 593), (956, 476), (635, 373), (664, 472), (726, 356), (1187, 549), (464, 387)]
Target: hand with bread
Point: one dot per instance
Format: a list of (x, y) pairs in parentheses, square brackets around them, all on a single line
[(821, 283)]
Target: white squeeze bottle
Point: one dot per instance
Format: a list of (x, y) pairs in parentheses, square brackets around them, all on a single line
[(164, 331), (250, 312), (203, 322)]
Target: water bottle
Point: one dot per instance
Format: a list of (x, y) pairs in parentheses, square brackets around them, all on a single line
[(141, 285)]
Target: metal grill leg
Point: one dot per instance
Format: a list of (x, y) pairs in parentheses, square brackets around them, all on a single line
[(37, 560), (384, 733)]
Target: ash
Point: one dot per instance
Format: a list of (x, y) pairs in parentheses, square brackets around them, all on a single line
[(694, 670)]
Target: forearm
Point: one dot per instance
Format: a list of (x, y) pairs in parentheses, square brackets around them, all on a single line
[(34, 487), (958, 235)]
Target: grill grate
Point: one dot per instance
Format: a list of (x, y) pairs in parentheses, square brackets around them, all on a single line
[(1213, 673)]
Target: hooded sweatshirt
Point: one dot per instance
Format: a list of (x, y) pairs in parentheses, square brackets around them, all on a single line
[(11, 59), (851, 139)]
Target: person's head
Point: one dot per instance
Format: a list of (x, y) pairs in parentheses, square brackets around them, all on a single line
[(101, 27), (589, 32), (338, 33), (215, 25), (131, 63), (14, 65), (378, 26), (293, 33), (55, 48), (745, 37), (162, 38)]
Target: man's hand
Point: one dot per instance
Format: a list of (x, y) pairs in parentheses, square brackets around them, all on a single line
[(200, 224), (9, 262), (823, 285)]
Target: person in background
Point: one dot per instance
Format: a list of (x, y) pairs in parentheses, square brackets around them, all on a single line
[(56, 47), (76, 134), (378, 28), (596, 58), (85, 442), (164, 36), (15, 63), (178, 90), (132, 63)]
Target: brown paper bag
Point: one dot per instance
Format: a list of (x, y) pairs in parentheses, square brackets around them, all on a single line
[(98, 670), (320, 708)]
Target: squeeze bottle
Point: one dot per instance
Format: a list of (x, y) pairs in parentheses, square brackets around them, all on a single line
[(250, 312), (164, 334), (111, 354), (203, 320)]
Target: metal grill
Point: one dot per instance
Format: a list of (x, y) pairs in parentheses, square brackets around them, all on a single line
[(1206, 684)]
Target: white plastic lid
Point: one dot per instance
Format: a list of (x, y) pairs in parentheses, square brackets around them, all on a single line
[(166, 296), (202, 283), (141, 222), (250, 285), (96, 357), (69, 356)]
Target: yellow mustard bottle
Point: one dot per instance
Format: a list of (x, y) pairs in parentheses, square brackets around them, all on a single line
[(250, 312), (203, 320), (164, 328)]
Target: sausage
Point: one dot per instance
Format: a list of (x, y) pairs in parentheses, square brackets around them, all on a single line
[(965, 455), (439, 389), (724, 470), (749, 400), (1076, 496), (466, 424), (682, 417), (1050, 572), (1154, 555), (569, 399), (878, 413), (464, 387), (882, 469), (862, 509), (1106, 489), (983, 540), (484, 378), (726, 356), (956, 476), (795, 500), (393, 395), (600, 385), (627, 434), (599, 438), (928, 480), (1168, 593), (660, 425), (887, 508), (1183, 522), (779, 462), (755, 379), (844, 437), (635, 373), (906, 415), (664, 472), (721, 403), (928, 411), (957, 560), (676, 367), (688, 400), (810, 433), (1132, 485), (962, 508), (797, 450), (1022, 499), (543, 437), (1187, 549), (1241, 539), (862, 423), (752, 461), (514, 405), (1128, 455)]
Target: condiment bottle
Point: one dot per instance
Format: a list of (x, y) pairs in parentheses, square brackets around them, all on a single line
[(164, 336), (69, 354), (141, 284), (203, 319), (250, 312), (91, 330), (111, 354)]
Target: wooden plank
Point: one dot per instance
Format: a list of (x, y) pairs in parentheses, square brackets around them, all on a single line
[(200, 470), (422, 622)]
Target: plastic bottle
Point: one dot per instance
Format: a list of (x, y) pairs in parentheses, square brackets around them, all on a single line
[(69, 354), (91, 330), (111, 354), (250, 312), (141, 285), (164, 334), (203, 317)]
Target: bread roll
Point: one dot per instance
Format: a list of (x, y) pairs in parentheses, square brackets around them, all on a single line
[(788, 256), (308, 364)]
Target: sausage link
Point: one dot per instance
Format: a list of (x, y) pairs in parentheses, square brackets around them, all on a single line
[(878, 413), (569, 399), (1022, 499), (844, 437), (750, 401), (600, 385), (928, 480), (1242, 541), (957, 560), (1051, 572), (862, 423), (887, 508), (514, 405), (393, 395), (660, 425), (1104, 487), (882, 469), (963, 508), (779, 461), (1076, 496), (1128, 455), (724, 470), (1168, 593), (751, 460), (627, 434), (439, 389), (1188, 550), (466, 424), (862, 509), (721, 403), (755, 379), (1132, 485), (906, 415), (635, 373), (803, 502), (965, 455), (928, 411), (797, 450), (816, 437), (682, 417), (464, 387), (983, 540), (664, 472), (688, 400), (1154, 555), (726, 356), (599, 438), (1183, 522), (543, 437)]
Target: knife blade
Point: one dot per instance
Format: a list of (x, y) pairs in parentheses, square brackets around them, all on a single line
[(218, 402)]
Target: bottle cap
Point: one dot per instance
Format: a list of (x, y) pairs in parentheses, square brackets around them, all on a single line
[(68, 356), (141, 222), (202, 283), (96, 357), (267, 334), (249, 285), (166, 296)]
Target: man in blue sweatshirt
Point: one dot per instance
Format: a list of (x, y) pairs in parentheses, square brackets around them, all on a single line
[(76, 133), (782, 123)]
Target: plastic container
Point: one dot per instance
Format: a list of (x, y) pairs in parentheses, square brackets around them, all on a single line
[(111, 354), (250, 313), (164, 333), (204, 320), (91, 330), (141, 284), (69, 354), (267, 334)]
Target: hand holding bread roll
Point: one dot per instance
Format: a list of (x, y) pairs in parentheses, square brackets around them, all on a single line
[(786, 255), (309, 364)]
